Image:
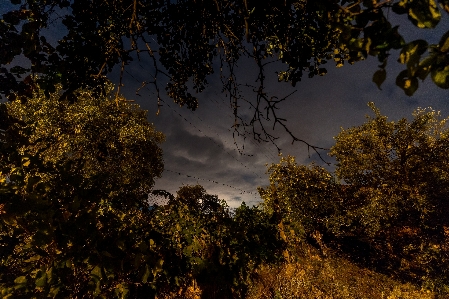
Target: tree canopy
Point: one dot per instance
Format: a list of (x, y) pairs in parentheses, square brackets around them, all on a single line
[(389, 192), (74, 182), (77, 44)]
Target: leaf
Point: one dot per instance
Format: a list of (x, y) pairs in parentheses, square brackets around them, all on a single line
[(424, 14), (20, 282), (96, 273), (444, 42), (146, 274), (54, 290), (379, 77), (445, 5), (400, 7), (49, 274), (440, 76), (33, 259), (424, 67), (412, 51), (408, 85), (121, 290), (41, 279)]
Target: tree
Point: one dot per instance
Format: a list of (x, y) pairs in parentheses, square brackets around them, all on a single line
[(396, 186), (73, 189), (184, 39), (212, 246), (303, 196), (387, 204), (398, 168)]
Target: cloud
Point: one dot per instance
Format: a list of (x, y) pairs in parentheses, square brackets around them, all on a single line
[(201, 149)]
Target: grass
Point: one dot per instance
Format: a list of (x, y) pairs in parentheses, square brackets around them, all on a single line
[(311, 275)]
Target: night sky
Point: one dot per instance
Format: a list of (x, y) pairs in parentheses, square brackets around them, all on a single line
[(200, 148)]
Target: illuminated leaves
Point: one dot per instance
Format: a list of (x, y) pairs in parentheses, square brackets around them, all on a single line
[(74, 207), (97, 136), (407, 83), (389, 194), (396, 175), (435, 63), (411, 53), (303, 196), (424, 14), (379, 38), (441, 76), (444, 4)]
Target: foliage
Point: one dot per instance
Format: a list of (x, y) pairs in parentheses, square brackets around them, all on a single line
[(105, 142), (397, 168), (397, 187), (215, 249), (74, 216), (74, 181), (315, 276), (303, 196), (389, 208), (190, 34), (78, 43)]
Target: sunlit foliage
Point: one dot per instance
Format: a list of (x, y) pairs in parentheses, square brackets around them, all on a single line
[(387, 205), (396, 178), (75, 221), (303, 196), (213, 247), (75, 178)]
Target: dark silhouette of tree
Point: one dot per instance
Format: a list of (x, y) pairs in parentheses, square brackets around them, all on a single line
[(77, 43)]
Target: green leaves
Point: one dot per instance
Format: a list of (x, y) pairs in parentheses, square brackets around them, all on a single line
[(440, 67), (424, 13), (440, 76), (73, 229), (389, 194), (409, 84), (444, 43), (435, 63), (20, 282), (379, 37), (41, 279), (411, 53), (302, 196)]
